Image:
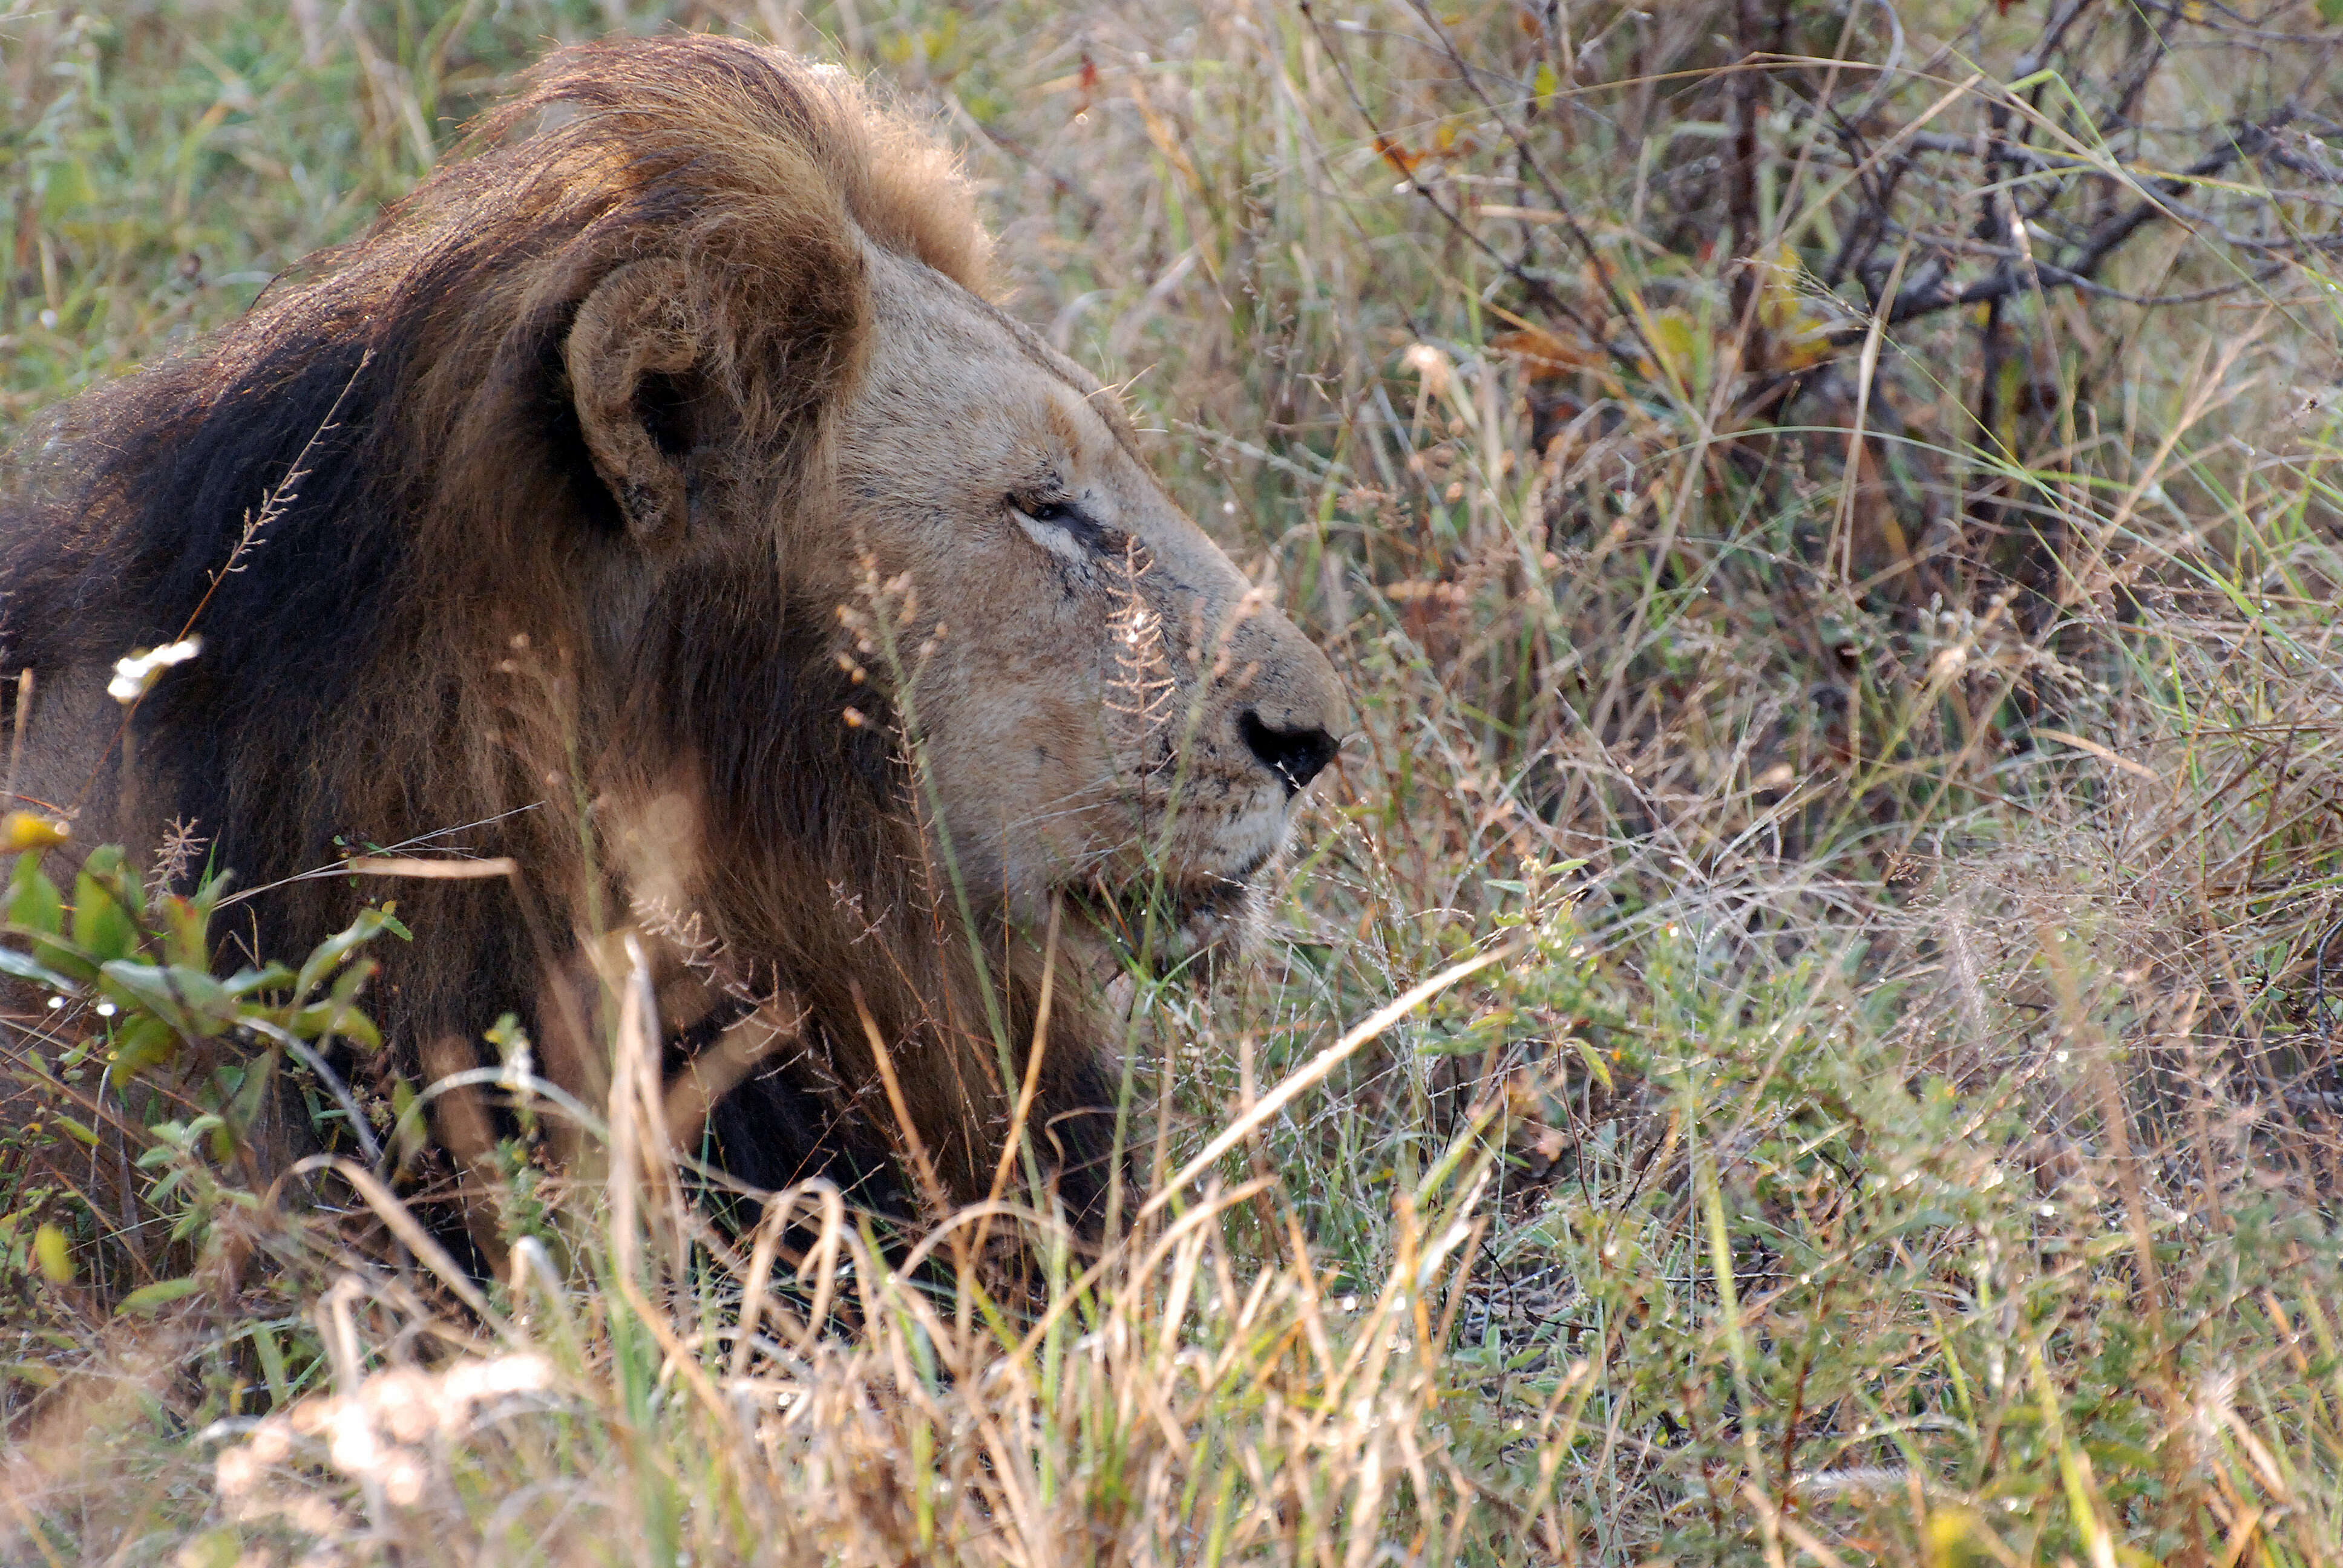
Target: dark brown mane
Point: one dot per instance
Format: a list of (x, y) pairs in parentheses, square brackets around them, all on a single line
[(414, 641)]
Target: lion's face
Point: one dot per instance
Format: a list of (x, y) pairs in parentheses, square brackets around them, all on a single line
[(1105, 705)]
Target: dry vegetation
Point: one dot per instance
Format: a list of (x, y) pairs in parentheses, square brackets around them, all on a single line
[(1829, 513)]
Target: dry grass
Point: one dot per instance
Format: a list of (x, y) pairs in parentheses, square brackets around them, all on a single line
[(1903, 749)]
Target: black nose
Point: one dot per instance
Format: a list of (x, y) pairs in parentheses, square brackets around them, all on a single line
[(1296, 755)]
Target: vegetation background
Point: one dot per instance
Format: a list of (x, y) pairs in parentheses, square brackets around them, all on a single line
[(1829, 513)]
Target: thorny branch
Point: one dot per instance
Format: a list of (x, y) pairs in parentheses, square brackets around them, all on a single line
[(2043, 217)]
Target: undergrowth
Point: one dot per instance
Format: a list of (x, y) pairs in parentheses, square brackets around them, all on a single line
[(1829, 518)]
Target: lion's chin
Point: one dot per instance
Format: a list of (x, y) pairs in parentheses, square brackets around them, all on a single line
[(1220, 925), (1200, 928)]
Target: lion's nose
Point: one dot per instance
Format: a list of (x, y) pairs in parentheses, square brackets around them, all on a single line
[(1296, 755)]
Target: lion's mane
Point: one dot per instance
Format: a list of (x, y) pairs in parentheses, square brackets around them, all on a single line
[(417, 636)]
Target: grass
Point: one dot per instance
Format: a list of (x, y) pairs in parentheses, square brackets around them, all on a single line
[(1900, 760)]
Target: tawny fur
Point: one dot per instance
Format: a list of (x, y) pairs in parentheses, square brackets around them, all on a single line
[(575, 459)]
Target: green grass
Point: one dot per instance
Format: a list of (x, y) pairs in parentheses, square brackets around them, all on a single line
[(1904, 1126)]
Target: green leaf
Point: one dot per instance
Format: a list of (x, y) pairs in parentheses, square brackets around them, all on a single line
[(161, 1293), (13, 963), (274, 976), (340, 1014), (187, 938), (272, 1364), (68, 190), (222, 1548), (188, 1000), (211, 888), (102, 927), (110, 864), (326, 1019), (406, 1124), (1594, 1060), (2331, 12), (34, 901), (244, 1109), (37, 909), (370, 924), (144, 1042)]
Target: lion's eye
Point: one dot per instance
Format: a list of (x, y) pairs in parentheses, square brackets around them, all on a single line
[(1060, 528)]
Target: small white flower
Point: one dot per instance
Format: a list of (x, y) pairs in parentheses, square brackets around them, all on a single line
[(353, 1443), (1430, 365), (134, 674), (402, 1480), (475, 1381)]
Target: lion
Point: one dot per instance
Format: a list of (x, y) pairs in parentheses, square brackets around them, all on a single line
[(655, 500)]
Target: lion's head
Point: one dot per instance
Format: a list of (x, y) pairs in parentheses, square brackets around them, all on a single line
[(657, 497), (1099, 701)]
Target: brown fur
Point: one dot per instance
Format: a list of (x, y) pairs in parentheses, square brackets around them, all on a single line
[(575, 459)]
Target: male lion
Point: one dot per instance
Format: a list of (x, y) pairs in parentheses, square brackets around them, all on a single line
[(655, 497)]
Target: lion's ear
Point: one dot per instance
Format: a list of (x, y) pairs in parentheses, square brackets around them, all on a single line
[(633, 353)]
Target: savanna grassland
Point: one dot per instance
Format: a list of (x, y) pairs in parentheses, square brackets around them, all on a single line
[(1829, 516)]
